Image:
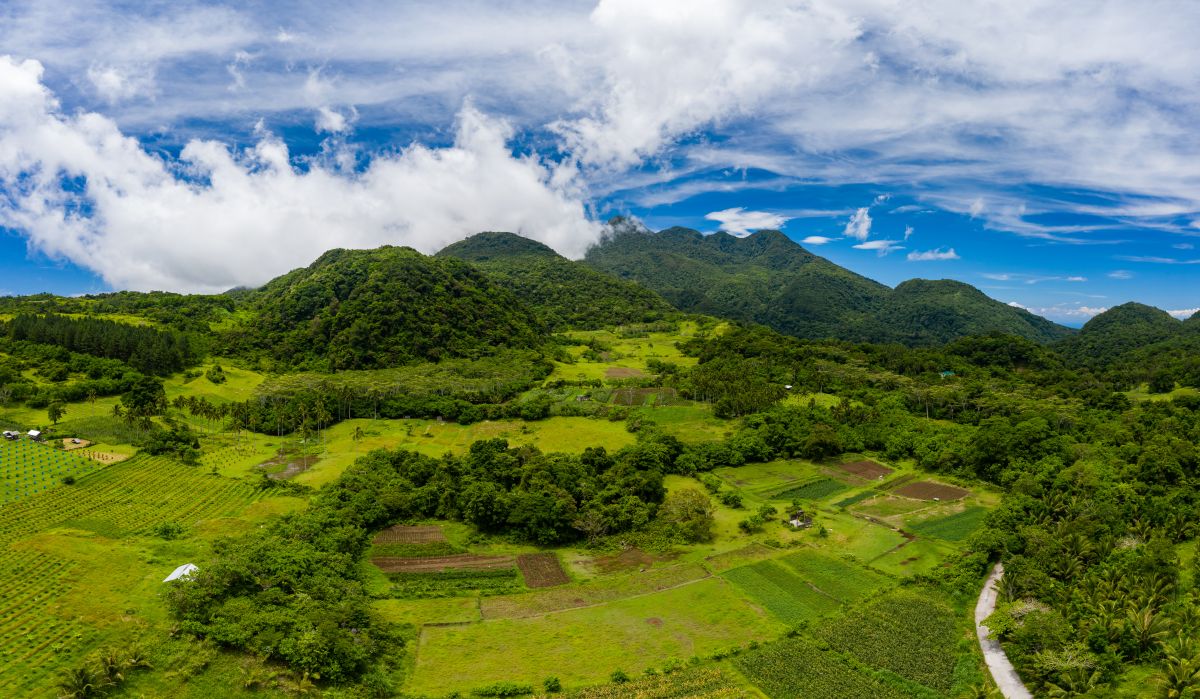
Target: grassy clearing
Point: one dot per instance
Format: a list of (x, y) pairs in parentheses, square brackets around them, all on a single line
[(625, 352), (919, 556), (846, 580), (445, 610), (592, 593), (433, 438), (239, 384), (584, 646)]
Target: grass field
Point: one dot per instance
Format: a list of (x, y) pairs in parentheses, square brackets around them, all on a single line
[(433, 438), (625, 352), (584, 646)]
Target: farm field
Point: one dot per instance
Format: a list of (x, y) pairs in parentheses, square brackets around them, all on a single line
[(28, 468), (81, 569), (584, 646)]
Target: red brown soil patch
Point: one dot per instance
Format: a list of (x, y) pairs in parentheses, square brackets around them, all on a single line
[(622, 372), (542, 570), (866, 469), (629, 559), (654, 621), (438, 564), (928, 490), (70, 444), (401, 534)]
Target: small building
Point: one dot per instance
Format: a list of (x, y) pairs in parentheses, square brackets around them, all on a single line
[(183, 572), (800, 520), (12, 436), (35, 435)]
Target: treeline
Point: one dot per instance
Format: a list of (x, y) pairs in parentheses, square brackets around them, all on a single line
[(94, 377), (149, 350)]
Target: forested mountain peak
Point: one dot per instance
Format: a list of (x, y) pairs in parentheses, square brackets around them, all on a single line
[(1148, 319), (934, 311), (496, 245), (560, 291), (382, 307)]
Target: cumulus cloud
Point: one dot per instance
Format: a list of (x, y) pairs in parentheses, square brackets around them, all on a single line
[(817, 240), (81, 190), (859, 225), (739, 222), (881, 247), (1184, 313), (115, 84), (933, 255)]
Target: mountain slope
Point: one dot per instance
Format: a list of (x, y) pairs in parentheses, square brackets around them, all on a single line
[(923, 311), (768, 278), (562, 293), (764, 277), (1119, 331), (357, 309)]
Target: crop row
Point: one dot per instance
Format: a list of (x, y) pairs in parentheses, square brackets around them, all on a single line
[(905, 632), (795, 667), (706, 683), (456, 583), (33, 640), (843, 579), (128, 497), (814, 490), (955, 527), (783, 593)]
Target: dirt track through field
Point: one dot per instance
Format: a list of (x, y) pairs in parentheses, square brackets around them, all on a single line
[(1002, 670)]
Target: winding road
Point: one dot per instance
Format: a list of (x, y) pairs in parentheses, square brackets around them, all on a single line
[(1002, 670)]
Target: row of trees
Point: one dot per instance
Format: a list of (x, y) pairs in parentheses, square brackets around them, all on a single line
[(149, 350)]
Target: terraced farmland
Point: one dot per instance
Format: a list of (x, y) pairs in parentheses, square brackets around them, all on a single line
[(28, 468)]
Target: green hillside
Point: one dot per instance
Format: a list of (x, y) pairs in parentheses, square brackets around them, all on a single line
[(1118, 331), (362, 309), (764, 277), (924, 311), (561, 292), (768, 278)]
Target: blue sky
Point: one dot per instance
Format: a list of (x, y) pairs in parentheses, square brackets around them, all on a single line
[(1045, 152)]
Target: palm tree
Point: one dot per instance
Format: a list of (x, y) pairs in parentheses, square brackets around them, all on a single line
[(78, 683)]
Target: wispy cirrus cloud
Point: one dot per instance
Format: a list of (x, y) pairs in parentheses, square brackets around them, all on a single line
[(880, 247)]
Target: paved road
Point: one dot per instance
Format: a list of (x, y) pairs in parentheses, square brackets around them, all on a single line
[(1002, 671)]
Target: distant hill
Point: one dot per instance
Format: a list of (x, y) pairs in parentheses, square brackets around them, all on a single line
[(768, 278), (561, 292), (923, 311), (764, 277), (1119, 331), (357, 309)]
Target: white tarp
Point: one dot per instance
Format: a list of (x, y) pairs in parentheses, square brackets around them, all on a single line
[(181, 572)]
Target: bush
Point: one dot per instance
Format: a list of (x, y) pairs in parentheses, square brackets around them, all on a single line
[(731, 499), (551, 685), (504, 689), (619, 677)]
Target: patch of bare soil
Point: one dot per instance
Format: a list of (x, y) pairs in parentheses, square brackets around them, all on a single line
[(71, 444), (929, 490), (542, 570), (629, 559), (401, 534), (866, 469), (438, 564)]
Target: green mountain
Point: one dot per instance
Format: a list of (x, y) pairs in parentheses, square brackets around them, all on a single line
[(764, 277), (924, 312), (562, 293), (1119, 331), (768, 278), (357, 309)]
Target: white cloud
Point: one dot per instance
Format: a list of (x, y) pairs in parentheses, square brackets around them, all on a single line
[(817, 240), (976, 207), (115, 84), (908, 231), (1120, 274), (998, 277), (244, 217), (859, 225), (1077, 279), (1184, 313), (881, 247), (933, 255), (1184, 246), (739, 222)]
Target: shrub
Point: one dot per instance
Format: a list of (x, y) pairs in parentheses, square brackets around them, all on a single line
[(552, 685), (619, 677)]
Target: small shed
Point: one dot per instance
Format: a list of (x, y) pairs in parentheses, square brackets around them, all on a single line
[(181, 573), (34, 434)]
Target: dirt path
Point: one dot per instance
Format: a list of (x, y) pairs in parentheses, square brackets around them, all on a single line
[(1002, 670)]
